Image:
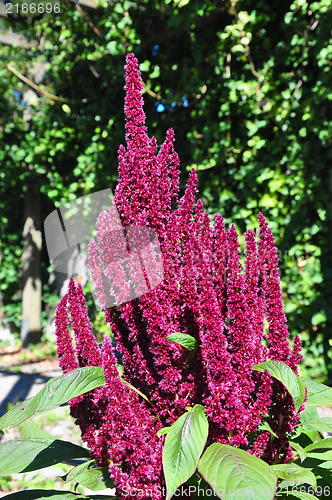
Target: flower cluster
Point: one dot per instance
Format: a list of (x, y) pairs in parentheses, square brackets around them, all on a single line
[(119, 428), (234, 312)]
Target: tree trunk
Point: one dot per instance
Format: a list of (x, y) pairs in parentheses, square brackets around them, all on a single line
[(32, 286)]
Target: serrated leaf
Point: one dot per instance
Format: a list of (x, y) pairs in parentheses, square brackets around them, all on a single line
[(24, 455), (286, 376), (301, 451), (318, 394), (183, 446), (57, 391), (293, 472), (183, 339), (228, 469)]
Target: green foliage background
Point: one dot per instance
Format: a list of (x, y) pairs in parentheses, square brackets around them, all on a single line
[(246, 86)]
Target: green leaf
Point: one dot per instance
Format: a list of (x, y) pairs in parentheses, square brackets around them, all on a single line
[(183, 446), (57, 391), (319, 424), (306, 416), (163, 430), (301, 451), (24, 455), (293, 472), (52, 495), (318, 394), (183, 339), (30, 430), (314, 435), (228, 469), (181, 3), (93, 478), (265, 426), (321, 444), (324, 465), (286, 376), (326, 474), (120, 369), (321, 455), (309, 414), (79, 469)]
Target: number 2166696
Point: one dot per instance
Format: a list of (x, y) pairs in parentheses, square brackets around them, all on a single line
[(320, 492), (33, 8)]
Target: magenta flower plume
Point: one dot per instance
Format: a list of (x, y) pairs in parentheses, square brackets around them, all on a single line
[(128, 434), (65, 351), (233, 311), (113, 422), (277, 332), (148, 182), (283, 416), (87, 350)]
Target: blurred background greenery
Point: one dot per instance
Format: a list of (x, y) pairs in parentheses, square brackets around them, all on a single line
[(246, 86)]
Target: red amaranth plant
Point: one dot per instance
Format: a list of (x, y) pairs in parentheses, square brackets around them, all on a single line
[(234, 313)]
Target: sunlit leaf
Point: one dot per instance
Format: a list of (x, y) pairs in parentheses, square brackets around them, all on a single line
[(293, 472), (23, 455), (318, 394), (183, 339), (228, 469), (285, 375), (183, 446), (57, 391)]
